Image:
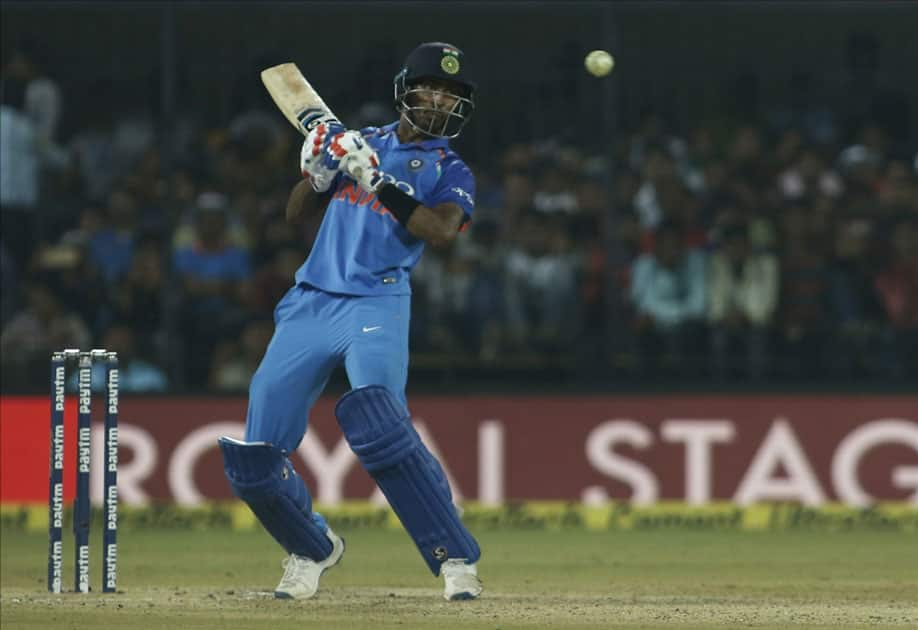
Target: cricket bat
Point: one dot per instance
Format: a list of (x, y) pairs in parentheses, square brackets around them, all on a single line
[(296, 98), (299, 102)]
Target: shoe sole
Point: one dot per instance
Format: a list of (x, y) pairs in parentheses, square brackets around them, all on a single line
[(461, 597), (283, 595)]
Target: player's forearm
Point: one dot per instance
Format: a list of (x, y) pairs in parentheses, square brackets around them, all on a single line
[(433, 227), (437, 226), (303, 202)]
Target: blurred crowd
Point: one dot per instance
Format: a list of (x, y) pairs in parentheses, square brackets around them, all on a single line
[(775, 250)]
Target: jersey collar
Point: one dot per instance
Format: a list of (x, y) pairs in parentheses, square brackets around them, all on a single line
[(428, 145)]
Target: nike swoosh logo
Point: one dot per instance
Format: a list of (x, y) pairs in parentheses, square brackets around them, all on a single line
[(371, 328)]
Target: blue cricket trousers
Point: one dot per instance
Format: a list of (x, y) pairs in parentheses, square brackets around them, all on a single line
[(314, 332)]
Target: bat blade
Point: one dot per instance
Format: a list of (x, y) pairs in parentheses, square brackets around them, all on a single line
[(295, 97)]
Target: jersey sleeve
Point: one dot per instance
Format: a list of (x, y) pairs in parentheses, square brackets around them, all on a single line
[(456, 185)]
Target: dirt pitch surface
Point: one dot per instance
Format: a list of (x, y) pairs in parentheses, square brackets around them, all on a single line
[(189, 580)]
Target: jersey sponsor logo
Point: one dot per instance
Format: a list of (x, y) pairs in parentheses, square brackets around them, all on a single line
[(403, 186), (352, 194), (367, 329), (343, 191)]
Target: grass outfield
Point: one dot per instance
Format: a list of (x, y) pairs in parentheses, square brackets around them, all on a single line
[(189, 580)]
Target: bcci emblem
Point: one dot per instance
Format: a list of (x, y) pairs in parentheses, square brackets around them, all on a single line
[(449, 64), (440, 553), (415, 164)]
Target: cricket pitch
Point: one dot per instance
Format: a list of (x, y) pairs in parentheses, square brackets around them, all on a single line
[(199, 579)]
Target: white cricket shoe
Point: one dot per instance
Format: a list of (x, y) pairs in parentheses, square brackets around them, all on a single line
[(301, 574), (461, 580)]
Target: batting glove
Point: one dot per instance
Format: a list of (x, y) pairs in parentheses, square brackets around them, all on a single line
[(361, 162), (320, 157)]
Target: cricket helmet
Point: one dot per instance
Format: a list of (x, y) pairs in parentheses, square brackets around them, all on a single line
[(445, 62)]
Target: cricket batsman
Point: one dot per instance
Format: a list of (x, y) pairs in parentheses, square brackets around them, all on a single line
[(350, 304)]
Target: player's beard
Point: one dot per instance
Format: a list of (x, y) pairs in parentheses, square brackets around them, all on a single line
[(432, 121)]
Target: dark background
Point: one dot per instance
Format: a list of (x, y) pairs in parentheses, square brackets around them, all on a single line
[(685, 59)]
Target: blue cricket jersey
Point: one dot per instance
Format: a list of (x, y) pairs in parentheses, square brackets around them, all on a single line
[(361, 249)]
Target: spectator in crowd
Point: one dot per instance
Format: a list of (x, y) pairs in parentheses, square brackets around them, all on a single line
[(559, 256), (808, 177), (440, 286), (42, 102), (212, 274), (518, 188), (742, 298), (486, 321), (92, 148), (278, 234), (747, 171), (659, 184), (19, 173), (860, 168), (45, 325), (542, 300), (255, 151), (272, 280), (139, 297), (589, 230), (80, 283), (146, 185), (555, 191), (862, 340), (897, 190), (898, 288), (135, 373), (133, 142), (804, 297), (235, 362), (668, 297), (111, 245), (652, 134), (185, 234)]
